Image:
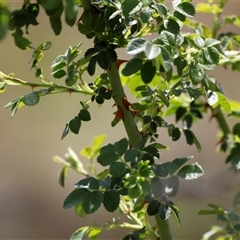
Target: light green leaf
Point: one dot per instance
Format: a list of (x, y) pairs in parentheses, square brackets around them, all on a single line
[(136, 46), (80, 233), (151, 50), (223, 102)]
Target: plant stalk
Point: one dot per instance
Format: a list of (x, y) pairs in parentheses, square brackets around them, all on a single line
[(133, 134)]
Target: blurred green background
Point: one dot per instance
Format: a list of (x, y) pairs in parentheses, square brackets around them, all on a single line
[(30, 197)]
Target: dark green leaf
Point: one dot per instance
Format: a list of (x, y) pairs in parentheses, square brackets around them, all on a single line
[(132, 155), (172, 26), (121, 146), (84, 115), (130, 6), (111, 200), (176, 134), (59, 73), (58, 60), (31, 99), (236, 129), (20, 41), (92, 201), (133, 66), (186, 9), (171, 186), (180, 113), (107, 158), (177, 163), (180, 63), (148, 72), (88, 183), (189, 136), (75, 124), (190, 172), (92, 65), (103, 60), (153, 207), (162, 169), (164, 212), (71, 11), (112, 55), (74, 197), (56, 24), (117, 169)]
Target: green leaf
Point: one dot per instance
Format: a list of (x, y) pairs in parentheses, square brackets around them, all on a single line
[(190, 172), (153, 207), (56, 24), (189, 136), (133, 66), (172, 26), (236, 129), (92, 201), (180, 112), (199, 42), (88, 183), (103, 60), (94, 233), (71, 11), (20, 41), (92, 65), (197, 143), (84, 115), (75, 124), (79, 210), (58, 60), (161, 9), (148, 72), (65, 131), (117, 169), (196, 73), (111, 200), (132, 155), (136, 46), (107, 158), (164, 212), (130, 7), (151, 50), (177, 163), (121, 146), (98, 141), (222, 100), (176, 134), (59, 73), (44, 46), (175, 211), (4, 16), (31, 99), (62, 175), (80, 233), (187, 121), (168, 38), (185, 8), (74, 197), (135, 191), (209, 42)]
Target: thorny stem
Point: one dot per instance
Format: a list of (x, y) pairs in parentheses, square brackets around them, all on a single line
[(133, 134)]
